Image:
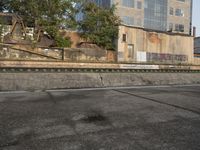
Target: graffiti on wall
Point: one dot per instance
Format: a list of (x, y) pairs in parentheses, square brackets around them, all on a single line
[(162, 57)]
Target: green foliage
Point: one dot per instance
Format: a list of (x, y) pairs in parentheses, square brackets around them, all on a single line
[(52, 31), (3, 5), (54, 34), (63, 42), (100, 25), (1, 29), (45, 15), (45, 12), (1, 32)]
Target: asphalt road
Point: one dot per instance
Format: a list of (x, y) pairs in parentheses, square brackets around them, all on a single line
[(143, 118)]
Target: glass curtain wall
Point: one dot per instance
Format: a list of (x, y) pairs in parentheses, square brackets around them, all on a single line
[(155, 14), (104, 3)]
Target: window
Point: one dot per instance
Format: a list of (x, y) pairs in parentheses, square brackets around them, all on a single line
[(139, 22), (179, 12), (171, 27), (179, 27), (181, 0), (128, 20), (124, 38), (128, 3), (139, 5), (171, 11), (155, 14)]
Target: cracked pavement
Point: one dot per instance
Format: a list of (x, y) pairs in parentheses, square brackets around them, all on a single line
[(138, 118)]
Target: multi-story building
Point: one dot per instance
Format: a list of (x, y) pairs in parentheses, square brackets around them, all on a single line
[(154, 30), (197, 46), (162, 15)]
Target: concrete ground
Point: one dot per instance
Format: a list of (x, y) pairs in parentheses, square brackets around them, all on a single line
[(140, 118)]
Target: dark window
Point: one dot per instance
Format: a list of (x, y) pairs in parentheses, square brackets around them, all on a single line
[(128, 3), (124, 38), (179, 27), (181, 0), (139, 5), (171, 27), (179, 12), (171, 11)]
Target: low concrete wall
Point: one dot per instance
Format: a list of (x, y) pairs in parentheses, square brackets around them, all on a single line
[(85, 54), (42, 81), (62, 64), (27, 52), (196, 61)]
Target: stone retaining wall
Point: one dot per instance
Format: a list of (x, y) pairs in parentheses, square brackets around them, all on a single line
[(43, 81)]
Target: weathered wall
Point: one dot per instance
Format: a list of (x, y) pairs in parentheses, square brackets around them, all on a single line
[(43, 81), (26, 52), (196, 61), (154, 46), (12, 54), (90, 55)]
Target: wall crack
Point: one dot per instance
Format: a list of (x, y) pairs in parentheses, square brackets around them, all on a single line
[(101, 79)]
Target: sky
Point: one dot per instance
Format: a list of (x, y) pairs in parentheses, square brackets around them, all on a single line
[(196, 15)]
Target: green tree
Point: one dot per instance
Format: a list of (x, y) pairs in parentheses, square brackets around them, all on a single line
[(46, 15), (3, 4), (1, 30), (100, 25)]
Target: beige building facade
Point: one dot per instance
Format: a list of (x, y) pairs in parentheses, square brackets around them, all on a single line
[(180, 16), (144, 46), (154, 31), (162, 15)]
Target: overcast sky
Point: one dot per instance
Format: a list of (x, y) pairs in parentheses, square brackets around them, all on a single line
[(196, 15)]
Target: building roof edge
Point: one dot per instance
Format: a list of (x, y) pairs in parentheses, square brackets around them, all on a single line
[(158, 31)]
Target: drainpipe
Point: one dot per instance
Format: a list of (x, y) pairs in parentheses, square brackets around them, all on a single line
[(194, 31)]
